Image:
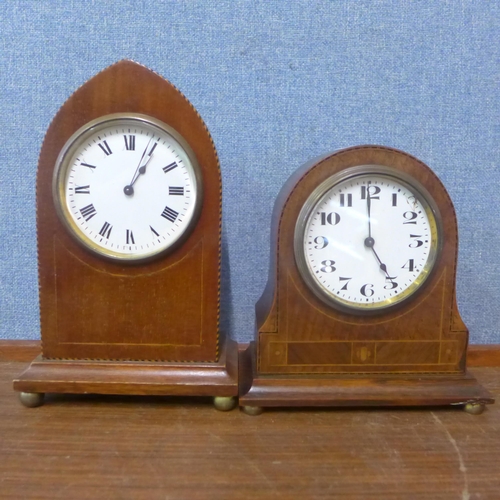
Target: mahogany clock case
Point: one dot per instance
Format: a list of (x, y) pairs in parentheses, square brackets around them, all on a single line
[(150, 327), (309, 353)]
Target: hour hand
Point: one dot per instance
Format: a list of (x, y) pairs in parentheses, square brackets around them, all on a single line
[(142, 168), (136, 173), (370, 243)]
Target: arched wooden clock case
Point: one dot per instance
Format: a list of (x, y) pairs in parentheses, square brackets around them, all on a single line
[(149, 327), (310, 353)]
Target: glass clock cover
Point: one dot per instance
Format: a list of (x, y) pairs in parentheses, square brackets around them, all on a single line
[(127, 187), (367, 238)]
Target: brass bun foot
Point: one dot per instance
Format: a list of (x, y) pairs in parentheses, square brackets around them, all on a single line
[(224, 403), (31, 399), (253, 410), (474, 408)]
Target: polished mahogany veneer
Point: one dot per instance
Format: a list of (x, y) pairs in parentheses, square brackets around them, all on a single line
[(149, 327), (307, 352)]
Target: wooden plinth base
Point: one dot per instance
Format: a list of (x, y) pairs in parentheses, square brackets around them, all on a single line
[(347, 390), (134, 377)]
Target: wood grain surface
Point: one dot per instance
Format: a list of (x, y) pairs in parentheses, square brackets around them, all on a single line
[(298, 334), (137, 378), (304, 343), (96, 447), (26, 350), (166, 309)]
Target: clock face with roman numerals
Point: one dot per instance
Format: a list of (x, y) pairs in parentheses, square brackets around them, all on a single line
[(367, 238), (127, 187)]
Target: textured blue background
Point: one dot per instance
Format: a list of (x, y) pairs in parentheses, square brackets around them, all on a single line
[(277, 83)]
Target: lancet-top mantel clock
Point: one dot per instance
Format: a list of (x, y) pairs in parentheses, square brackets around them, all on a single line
[(129, 245), (360, 306)]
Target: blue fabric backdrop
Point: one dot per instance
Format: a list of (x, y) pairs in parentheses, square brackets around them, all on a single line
[(277, 83)]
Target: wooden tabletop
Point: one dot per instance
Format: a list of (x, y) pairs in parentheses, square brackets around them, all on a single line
[(93, 447)]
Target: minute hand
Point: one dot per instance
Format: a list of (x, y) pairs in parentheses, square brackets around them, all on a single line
[(369, 209)]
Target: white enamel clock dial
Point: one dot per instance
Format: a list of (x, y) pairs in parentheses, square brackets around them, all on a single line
[(367, 238), (127, 187)]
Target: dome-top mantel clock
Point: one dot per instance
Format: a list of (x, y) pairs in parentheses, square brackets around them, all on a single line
[(129, 244), (360, 306)]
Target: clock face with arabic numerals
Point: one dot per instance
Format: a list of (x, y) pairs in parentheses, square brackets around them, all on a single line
[(127, 187), (367, 238)]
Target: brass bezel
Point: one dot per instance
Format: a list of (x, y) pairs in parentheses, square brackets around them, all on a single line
[(61, 169), (321, 191)]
